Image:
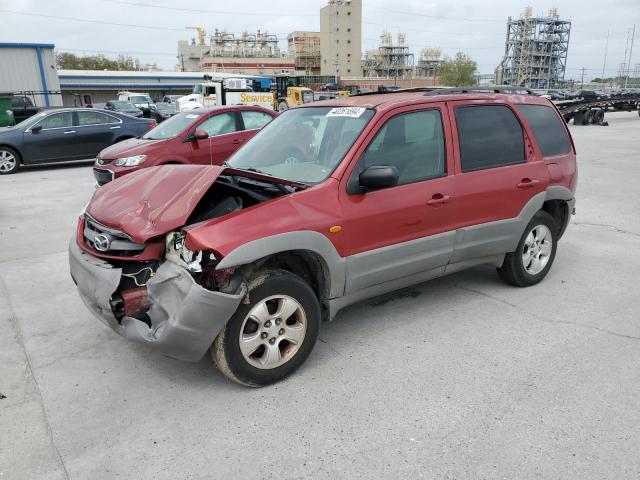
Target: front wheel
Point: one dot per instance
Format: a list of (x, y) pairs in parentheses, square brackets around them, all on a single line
[(9, 162), (272, 335), (532, 259)]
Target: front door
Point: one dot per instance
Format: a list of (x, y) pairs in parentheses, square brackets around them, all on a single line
[(403, 230), (51, 139), (224, 139)]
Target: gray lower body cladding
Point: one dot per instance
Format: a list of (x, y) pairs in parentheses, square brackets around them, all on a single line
[(185, 318)]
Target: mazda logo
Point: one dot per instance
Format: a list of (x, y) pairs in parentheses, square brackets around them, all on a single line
[(102, 242)]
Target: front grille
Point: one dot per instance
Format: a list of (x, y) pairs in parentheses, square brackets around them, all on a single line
[(102, 176), (108, 240)]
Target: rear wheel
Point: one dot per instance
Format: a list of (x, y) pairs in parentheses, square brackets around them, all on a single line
[(532, 259), (9, 161), (272, 335), (283, 106)]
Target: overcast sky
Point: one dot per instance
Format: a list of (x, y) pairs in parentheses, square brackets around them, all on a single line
[(476, 28)]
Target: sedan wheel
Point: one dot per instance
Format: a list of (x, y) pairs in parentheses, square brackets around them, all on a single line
[(8, 161)]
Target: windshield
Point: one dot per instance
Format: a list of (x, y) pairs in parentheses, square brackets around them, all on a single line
[(123, 104), (172, 127), (30, 121), (303, 144), (140, 99)]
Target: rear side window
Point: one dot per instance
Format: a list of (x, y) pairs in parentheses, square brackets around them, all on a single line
[(254, 120), (490, 136), (94, 118), (547, 128)]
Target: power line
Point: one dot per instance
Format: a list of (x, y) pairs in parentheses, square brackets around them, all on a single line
[(204, 10)]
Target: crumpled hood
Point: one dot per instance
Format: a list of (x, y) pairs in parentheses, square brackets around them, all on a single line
[(152, 201), (129, 148)]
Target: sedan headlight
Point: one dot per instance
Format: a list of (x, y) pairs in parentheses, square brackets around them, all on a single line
[(130, 161)]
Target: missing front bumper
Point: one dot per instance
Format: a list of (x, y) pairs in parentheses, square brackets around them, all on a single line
[(185, 318)]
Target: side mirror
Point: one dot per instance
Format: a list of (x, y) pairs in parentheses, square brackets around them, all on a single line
[(36, 129), (378, 176), (200, 135), (197, 135)]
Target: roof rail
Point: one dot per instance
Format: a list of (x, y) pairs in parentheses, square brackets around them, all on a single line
[(482, 89), (509, 89)]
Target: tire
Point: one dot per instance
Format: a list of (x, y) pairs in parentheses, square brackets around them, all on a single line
[(9, 161), (516, 269), (273, 347), (283, 106)]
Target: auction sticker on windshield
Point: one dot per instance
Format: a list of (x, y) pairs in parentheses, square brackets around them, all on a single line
[(354, 112)]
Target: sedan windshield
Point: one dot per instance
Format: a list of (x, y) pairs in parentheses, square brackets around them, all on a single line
[(121, 105), (303, 144), (171, 128)]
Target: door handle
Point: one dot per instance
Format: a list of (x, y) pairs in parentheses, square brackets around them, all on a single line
[(236, 141), (527, 183), (114, 128), (69, 132), (439, 199)]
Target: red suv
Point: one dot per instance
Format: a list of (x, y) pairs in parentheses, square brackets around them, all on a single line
[(206, 136), (329, 204)]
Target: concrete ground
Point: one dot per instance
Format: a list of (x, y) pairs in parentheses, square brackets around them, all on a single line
[(462, 377)]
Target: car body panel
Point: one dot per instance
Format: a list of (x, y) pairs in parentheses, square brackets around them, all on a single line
[(367, 243)]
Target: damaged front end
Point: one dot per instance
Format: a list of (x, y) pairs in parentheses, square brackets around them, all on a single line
[(146, 284)]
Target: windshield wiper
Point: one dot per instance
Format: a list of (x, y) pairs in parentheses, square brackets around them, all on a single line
[(250, 169)]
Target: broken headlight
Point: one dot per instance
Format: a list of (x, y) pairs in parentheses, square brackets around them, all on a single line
[(178, 253)]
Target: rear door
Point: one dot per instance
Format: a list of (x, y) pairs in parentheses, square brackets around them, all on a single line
[(95, 131), (224, 139), (498, 179), (56, 140), (251, 122), (403, 230)]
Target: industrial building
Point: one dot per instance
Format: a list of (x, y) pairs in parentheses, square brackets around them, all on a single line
[(30, 69), (389, 60), (247, 53), (304, 49), (341, 38), (535, 51), (429, 62)]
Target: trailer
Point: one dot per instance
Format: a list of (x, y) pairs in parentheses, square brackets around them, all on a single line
[(590, 111)]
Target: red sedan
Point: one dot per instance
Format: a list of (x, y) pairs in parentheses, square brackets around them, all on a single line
[(206, 136)]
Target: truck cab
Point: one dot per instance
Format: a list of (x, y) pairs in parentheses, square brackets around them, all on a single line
[(229, 91)]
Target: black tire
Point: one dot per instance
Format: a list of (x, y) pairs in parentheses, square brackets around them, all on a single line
[(8, 166), (226, 352), (513, 270), (283, 106)]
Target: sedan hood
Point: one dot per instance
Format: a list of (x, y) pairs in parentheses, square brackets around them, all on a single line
[(129, 148), (152, 201)]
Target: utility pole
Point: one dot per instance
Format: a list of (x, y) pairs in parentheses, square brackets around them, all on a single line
[(582, 80), (606, 48), (626, 80)]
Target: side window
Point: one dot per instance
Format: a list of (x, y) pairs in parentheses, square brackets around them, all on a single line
[(413, 143), (57, 120), (219, 124), (94, 118), (547, 128), (490, 136), (253, 119)]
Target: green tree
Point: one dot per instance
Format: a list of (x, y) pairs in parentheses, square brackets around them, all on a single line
[(457, 72), (70, 61)]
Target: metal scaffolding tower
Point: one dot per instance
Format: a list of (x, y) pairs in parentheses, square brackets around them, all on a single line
[(535, 51), (388, 60)]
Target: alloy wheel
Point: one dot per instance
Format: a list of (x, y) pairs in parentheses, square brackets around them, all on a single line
[(537, 249), (7, 161), (273, 332)]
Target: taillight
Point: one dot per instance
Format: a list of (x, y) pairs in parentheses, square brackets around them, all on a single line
[(152, 125)]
